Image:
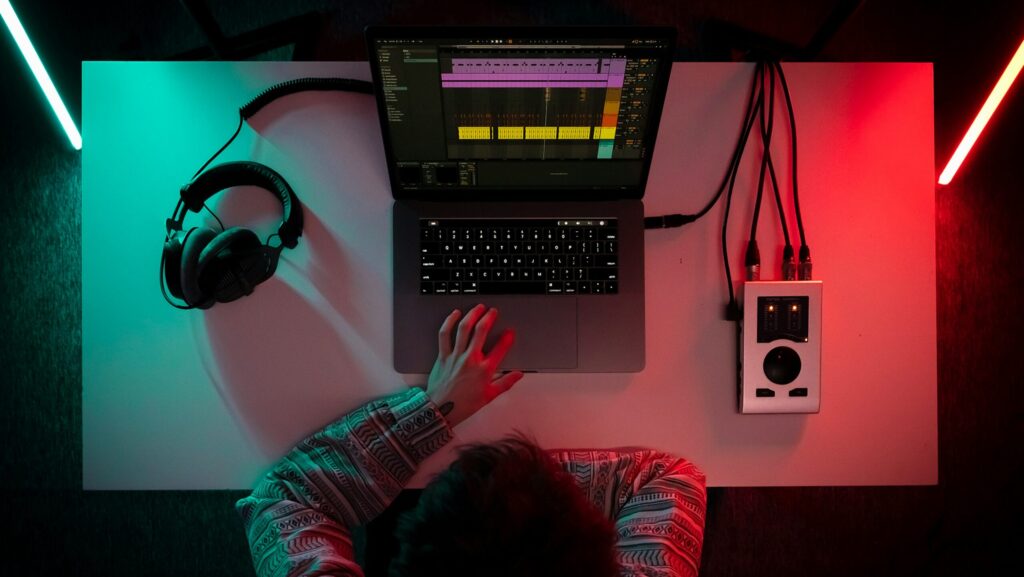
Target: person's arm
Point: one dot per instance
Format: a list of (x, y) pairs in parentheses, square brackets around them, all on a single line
[(656, 500), (298, 518)]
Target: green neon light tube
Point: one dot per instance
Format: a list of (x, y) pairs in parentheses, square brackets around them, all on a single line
[(14, 25)]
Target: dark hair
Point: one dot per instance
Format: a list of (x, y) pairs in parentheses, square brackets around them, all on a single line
[(504, 509)]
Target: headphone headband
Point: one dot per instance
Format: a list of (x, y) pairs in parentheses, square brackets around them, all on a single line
[(201, 266), (243, 173)]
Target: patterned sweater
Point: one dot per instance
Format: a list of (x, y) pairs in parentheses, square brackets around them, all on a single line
[(297, 519)]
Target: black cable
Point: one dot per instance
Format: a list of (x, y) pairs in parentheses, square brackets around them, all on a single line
[(283, 89), (752, 257), (216, 154), (804, 271), (766, 140), (674, 220), (757, 109), (778, 198), (214, 216), (302, 85), (792, 137), (751, 115), (788, 266), (732, 308)]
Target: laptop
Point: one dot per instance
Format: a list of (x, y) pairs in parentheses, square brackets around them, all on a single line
[(518, 159)]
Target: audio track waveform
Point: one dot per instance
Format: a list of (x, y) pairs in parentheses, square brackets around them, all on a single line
[(495, 106), (536, 132), (535, 73)]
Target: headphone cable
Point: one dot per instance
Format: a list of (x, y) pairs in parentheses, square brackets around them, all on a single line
[(214, 216), (216, 154)]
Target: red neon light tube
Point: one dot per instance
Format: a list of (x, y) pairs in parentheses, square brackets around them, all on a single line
[(1001, 87)]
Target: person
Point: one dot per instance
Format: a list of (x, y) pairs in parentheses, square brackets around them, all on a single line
[(500, 509)]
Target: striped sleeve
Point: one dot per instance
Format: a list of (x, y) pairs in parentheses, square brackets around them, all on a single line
[(657, 502), (297, 519)]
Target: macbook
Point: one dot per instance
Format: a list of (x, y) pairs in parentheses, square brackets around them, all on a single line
[(518, 159)]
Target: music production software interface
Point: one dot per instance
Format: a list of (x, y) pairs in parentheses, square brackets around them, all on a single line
[(519, 113)]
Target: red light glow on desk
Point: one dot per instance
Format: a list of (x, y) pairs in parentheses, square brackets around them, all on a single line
[(1001, 87)]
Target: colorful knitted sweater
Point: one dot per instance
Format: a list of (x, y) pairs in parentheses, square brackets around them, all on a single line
[(298, 519)]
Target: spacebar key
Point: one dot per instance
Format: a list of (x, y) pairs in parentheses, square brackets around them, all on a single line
[(512, 288)]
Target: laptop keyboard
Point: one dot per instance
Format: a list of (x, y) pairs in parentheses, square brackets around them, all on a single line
[(519, 256)]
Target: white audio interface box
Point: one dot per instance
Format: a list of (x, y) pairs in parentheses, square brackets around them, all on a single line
[(780, 347)]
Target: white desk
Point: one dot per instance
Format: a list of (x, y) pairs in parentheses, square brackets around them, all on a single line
[(208, 400)]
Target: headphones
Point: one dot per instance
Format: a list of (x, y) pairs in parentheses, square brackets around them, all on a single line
[(202, 266)]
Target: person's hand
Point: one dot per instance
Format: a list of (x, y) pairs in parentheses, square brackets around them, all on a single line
[(463, 379)]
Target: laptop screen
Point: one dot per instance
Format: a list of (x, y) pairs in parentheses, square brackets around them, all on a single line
[(529, 111)]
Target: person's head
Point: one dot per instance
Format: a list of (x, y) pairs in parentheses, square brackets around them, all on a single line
[(504, 509)]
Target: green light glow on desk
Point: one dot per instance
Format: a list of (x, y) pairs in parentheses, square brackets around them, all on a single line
[(14, 25)]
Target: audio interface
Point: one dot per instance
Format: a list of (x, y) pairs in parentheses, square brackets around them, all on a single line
[(780, 347)]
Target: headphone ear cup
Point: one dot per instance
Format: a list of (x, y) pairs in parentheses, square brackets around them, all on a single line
[(232, 264), (172, 264), (191, 290)]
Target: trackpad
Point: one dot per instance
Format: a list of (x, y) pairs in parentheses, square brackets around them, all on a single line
[(545, 332)]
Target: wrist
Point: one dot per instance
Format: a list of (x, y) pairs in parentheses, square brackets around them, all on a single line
[(452, 411), (444, 406)]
